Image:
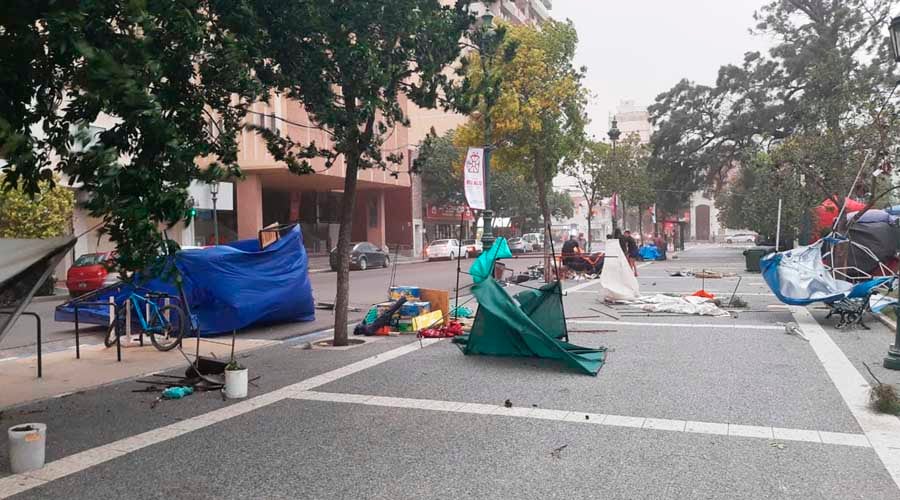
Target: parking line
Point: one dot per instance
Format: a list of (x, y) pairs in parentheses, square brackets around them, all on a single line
[(646, 423), (679, 325)]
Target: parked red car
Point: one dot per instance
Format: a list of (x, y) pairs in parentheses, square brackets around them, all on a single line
[(89, 273)]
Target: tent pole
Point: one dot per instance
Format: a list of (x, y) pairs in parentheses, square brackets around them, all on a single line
[(778, 228), (562, 306), (462, 217)]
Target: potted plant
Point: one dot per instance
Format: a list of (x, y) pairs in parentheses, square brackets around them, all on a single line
[(236, 378)]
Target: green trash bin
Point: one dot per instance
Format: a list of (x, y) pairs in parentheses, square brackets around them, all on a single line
[(754, 255)]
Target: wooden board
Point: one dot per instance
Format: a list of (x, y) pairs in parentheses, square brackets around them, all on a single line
[(440, 300)]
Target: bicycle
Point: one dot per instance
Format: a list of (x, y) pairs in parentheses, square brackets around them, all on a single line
[(164, 325)]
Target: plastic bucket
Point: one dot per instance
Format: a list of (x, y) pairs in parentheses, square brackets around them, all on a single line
[(27, 446), (236, 384)]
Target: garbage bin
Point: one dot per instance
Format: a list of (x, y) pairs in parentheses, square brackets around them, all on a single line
[(26, 447), (753, 255)]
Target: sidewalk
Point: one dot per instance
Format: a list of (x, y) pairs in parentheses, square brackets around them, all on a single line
[(685, 407)]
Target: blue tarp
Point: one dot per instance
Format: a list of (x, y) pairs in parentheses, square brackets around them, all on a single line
[(649, 252), (798, 277), (228, 287)]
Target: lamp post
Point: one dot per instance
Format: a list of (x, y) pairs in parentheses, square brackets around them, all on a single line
[(214, 192), (892, 360), (614, 134), (486, 50)]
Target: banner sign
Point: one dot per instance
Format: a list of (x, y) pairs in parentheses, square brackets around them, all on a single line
[(473, 178)]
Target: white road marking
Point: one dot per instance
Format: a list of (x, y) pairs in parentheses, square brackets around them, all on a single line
[(720, 326), (18, 483), (882, 431), (660, 424)]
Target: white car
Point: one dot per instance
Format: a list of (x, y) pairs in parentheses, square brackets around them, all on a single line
[(536, 240), (473, 248), (443, 249), (741, 238)]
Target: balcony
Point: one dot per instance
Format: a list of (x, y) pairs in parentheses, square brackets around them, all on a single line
[(512, 12)]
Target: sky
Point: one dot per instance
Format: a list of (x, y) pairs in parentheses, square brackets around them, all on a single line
[(637, 49)]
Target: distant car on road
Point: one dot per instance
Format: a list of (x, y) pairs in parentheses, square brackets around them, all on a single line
[(518, 245), (536, 240), (473, 248), (363, 256), (90, 272), (443, 249), (741, 238)]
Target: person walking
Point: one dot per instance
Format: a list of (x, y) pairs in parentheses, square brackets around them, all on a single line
[(630, 247)]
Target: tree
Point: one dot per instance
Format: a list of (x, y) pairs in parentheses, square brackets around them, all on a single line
[(353, 64), (162, 72), (590, 174), (538, 120), (751, 201), (47, 214), (439, 164), (822, 89)]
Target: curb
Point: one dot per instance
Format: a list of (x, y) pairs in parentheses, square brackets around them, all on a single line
[(50, 298), (405, 262), (888, 322)]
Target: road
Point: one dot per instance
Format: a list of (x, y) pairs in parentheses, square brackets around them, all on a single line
[(366, 288), (685, 407)]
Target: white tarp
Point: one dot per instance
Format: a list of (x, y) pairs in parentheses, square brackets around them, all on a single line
[(617, 279), (679, 305)]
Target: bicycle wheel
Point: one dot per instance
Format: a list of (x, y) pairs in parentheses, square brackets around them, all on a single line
[(110, 339), (167, 335)]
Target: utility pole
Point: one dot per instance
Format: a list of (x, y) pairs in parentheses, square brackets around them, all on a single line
[(486, 49)]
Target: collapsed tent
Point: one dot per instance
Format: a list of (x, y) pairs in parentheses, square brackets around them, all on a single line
[(881, 239), (617, 279), (228, 287), (24, 266), (533, 329), (690, 304)]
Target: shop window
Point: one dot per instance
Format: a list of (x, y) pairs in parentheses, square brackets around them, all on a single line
[(373, 213)]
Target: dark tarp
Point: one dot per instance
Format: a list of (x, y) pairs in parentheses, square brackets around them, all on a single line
[(879, 237), (502, 328), (228, 287), (24, 266)]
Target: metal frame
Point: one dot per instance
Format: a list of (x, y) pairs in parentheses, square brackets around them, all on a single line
[(37, 319)]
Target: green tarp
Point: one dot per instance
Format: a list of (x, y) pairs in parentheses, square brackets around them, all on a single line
[(482, 268), (545, 308), (502, 328)]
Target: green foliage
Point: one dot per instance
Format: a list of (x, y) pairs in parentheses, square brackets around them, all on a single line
[(440, 164), (751, 202), (158, 72), (817, 92), (537, 121), (46, 215)]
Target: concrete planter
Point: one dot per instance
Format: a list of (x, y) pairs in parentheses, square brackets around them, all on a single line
[(27, 447)]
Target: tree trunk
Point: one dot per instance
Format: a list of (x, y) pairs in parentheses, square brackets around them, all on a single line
[(542, 198), (342, 298), (589, 239), (641, 222)]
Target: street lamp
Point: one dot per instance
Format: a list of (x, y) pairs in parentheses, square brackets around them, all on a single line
[(214, 192), (895, 38), (486, 49), (892, 360), (614, 134)]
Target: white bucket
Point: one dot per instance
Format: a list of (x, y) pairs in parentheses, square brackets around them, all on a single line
[(236, 384), (27, 445)]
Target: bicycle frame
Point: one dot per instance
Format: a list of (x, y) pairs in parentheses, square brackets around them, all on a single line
[(140, 304)]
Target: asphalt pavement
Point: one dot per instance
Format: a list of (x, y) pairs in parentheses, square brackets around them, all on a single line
[(685, 407)]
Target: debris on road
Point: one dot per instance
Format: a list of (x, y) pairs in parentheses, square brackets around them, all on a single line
[(792, 328), (689, 305), (557, 452), (778, 445)]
